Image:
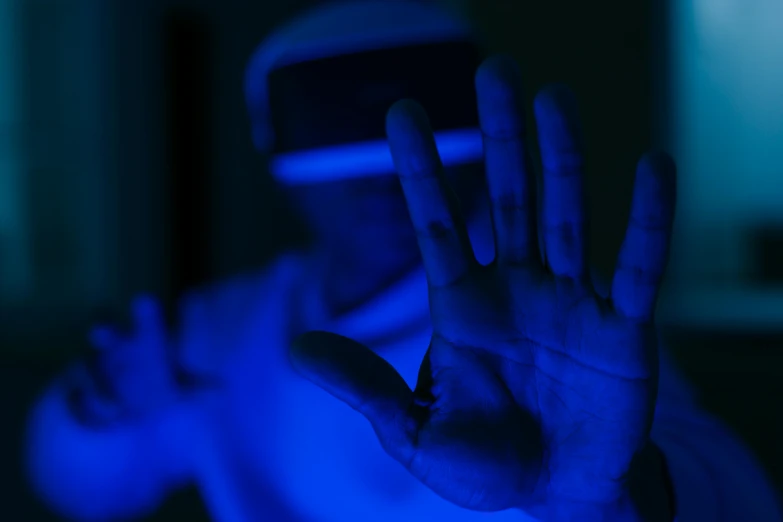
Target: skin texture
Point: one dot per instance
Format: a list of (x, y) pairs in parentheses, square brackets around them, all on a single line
[(536, 392)]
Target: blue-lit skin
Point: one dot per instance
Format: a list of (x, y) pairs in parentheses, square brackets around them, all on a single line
[(258, 436), (536, 392), (262, 443)]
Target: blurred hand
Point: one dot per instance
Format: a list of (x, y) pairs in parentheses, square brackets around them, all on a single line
[(536, 392), (131, 374)]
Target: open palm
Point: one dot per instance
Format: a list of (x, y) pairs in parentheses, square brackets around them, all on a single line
[(535, 390)]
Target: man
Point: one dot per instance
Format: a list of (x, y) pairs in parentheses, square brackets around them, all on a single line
[(505, 387)]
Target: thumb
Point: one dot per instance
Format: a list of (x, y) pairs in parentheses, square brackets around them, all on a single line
[(363, 380)]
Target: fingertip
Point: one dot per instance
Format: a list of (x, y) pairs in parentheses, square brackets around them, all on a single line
[(499, 73), (658, 163), (411, 140), (302, 344), (656, 183), (498, 83), (309, 348), (330, 361), (405, 117), (554, 95), (559, 128), (316, 343), (555, 102)]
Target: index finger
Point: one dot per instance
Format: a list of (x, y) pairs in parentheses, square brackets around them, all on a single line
[(432, 204)]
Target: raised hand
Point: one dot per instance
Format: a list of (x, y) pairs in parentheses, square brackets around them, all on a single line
[(536, 392), (130, 374)]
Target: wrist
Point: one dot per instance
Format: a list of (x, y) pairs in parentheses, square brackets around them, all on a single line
[(649, 492), (645, 497)]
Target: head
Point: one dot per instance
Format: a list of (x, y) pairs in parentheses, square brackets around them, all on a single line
[(318, 90)]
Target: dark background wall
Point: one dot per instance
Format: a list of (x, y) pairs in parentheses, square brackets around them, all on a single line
[(164, 190)]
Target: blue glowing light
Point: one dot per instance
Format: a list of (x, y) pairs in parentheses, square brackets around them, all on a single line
[(354, 160)]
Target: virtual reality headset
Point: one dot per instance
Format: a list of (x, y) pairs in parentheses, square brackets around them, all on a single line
[(318, 90)]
